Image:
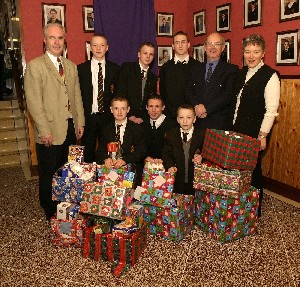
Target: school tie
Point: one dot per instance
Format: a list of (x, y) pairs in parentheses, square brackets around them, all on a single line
[(209, 72), (118, 133), (153, 125), (143, 74), (60, 67), (100, 98), (181, 63), (184, 137)]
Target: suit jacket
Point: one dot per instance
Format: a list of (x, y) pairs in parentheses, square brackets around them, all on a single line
[(289, 54), (47, 97), (215, 95), (130, 85), (173, 155), (85, 78), (133, 147)]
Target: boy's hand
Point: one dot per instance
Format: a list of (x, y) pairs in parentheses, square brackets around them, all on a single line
[(149, 159), (119, 162), (172, 169), (197, 159), (109, 163)]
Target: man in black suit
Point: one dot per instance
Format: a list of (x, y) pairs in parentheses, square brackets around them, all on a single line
[(210, 87), (287, 52), (223, 20), (252, 11), (164, 27), (136, 82), (97, 114), (175, 74)]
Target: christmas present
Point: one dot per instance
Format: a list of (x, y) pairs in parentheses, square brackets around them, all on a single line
[(134, 214), (226, 218), (122, 250), (67, 210), (109, 201), (230, 149), (212, 178), (123, 176), (76, 153), (68, 232), (157, 187), (123, 228), (101, 224), (174, 222), (70, 189)]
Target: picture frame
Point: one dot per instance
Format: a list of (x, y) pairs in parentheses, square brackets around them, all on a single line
[(225, 55), (223, 18), (164, 24), (199, 23), (252, 13), (88, 18), (287, 48), (289, 10), (88, 51), (54, 13), (199, 53), (164, 54)]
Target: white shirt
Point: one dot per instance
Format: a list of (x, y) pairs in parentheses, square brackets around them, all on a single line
[(271, 95), (186, 59), (145, 70), (95, 71), (54, 60), (190, 133), (122, 129), (159, 121)]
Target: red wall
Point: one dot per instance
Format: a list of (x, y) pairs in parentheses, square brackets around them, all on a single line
[(32, 38)]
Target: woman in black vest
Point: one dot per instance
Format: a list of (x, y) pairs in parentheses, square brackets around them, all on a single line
[(256, 100)]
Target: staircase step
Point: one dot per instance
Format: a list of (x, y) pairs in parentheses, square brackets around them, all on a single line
[(12, 135), (9, 105), (13, 148), (12, 124), (9, 160), (10, 114)]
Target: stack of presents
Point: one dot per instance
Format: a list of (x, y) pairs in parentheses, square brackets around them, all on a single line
[(101, 212)]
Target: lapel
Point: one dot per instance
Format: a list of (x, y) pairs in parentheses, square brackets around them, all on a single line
[(126, 134), (52, 69)]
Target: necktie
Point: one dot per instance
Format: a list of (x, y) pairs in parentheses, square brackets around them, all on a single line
[(153, 125), (118, 133), (184, 137), (143, 74), (180, 63), (100, 97), (209, 72), (60, 67)]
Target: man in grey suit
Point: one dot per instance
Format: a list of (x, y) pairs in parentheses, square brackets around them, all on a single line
[(54, 101)]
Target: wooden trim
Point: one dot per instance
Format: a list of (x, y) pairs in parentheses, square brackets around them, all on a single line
[(289, 76), (34, 169), (282, 189)]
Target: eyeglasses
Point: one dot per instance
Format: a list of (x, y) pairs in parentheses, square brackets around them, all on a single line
[(216, 44)]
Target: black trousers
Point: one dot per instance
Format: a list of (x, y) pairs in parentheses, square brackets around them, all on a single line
[(49, 160), (92, 132)]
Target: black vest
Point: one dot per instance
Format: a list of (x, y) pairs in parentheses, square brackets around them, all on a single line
[(252, 102)]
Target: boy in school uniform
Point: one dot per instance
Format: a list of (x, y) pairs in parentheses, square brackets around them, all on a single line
[(129, 134), (182, 149)]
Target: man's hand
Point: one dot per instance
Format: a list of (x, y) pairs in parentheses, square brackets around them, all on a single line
[(197, 159), (47, 139), (135, 120), (200, 111), (80, 132), (172, 169)]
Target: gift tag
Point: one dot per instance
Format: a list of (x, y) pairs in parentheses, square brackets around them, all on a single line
[(159, 181), (137, 193), (113, 175)]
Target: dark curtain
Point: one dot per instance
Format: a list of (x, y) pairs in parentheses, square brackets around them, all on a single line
[(126, 24)]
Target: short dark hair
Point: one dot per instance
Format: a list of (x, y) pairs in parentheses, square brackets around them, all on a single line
[(53, 10), (119, 98), (181, 33), (149, 44), (186, 107), (156, 97)]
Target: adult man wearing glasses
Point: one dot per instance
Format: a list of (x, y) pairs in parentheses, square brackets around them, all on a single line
[(54, 101), (210, 87)]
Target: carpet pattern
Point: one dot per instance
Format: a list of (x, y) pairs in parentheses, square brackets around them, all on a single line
[(27, 258)]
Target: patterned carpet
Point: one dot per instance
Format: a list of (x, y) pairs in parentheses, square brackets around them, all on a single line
[(270, 258)]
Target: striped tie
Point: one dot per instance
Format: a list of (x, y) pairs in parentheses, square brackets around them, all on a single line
[(118, 133), (100, 98), (60, 67)]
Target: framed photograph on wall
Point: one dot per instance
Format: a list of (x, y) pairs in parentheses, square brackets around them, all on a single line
[(88, 18), (252, 13), (199, 53), (223, 17), (289, 10), (164, 54), (164, 24), (199, 23), (54, 13), (287, 50), (88, 51), (225, 56)]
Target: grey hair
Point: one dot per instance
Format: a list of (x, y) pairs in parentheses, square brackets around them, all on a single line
[(51, 25), (255, 39)]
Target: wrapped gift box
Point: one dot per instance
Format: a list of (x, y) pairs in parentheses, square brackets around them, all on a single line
[(172, 223), (123, 251), (123, 176), (212, 178), (109, 201), (157, 187), (226, 218), (76, 153), (230, 149), (68, 232), (123, 228), (135, 214), (67, 210), (70, 189), (101, 224)]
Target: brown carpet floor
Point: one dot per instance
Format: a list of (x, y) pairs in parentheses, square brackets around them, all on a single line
[(270, 258)]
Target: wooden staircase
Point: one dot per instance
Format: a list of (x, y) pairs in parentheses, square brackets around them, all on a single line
[(14, 150)]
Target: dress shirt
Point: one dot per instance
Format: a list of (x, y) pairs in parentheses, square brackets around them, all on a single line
[(144, 69), (271, 95), (190, 133), (159, 121), (186, 59), (95, 71), (54, 61), (122, 129)]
